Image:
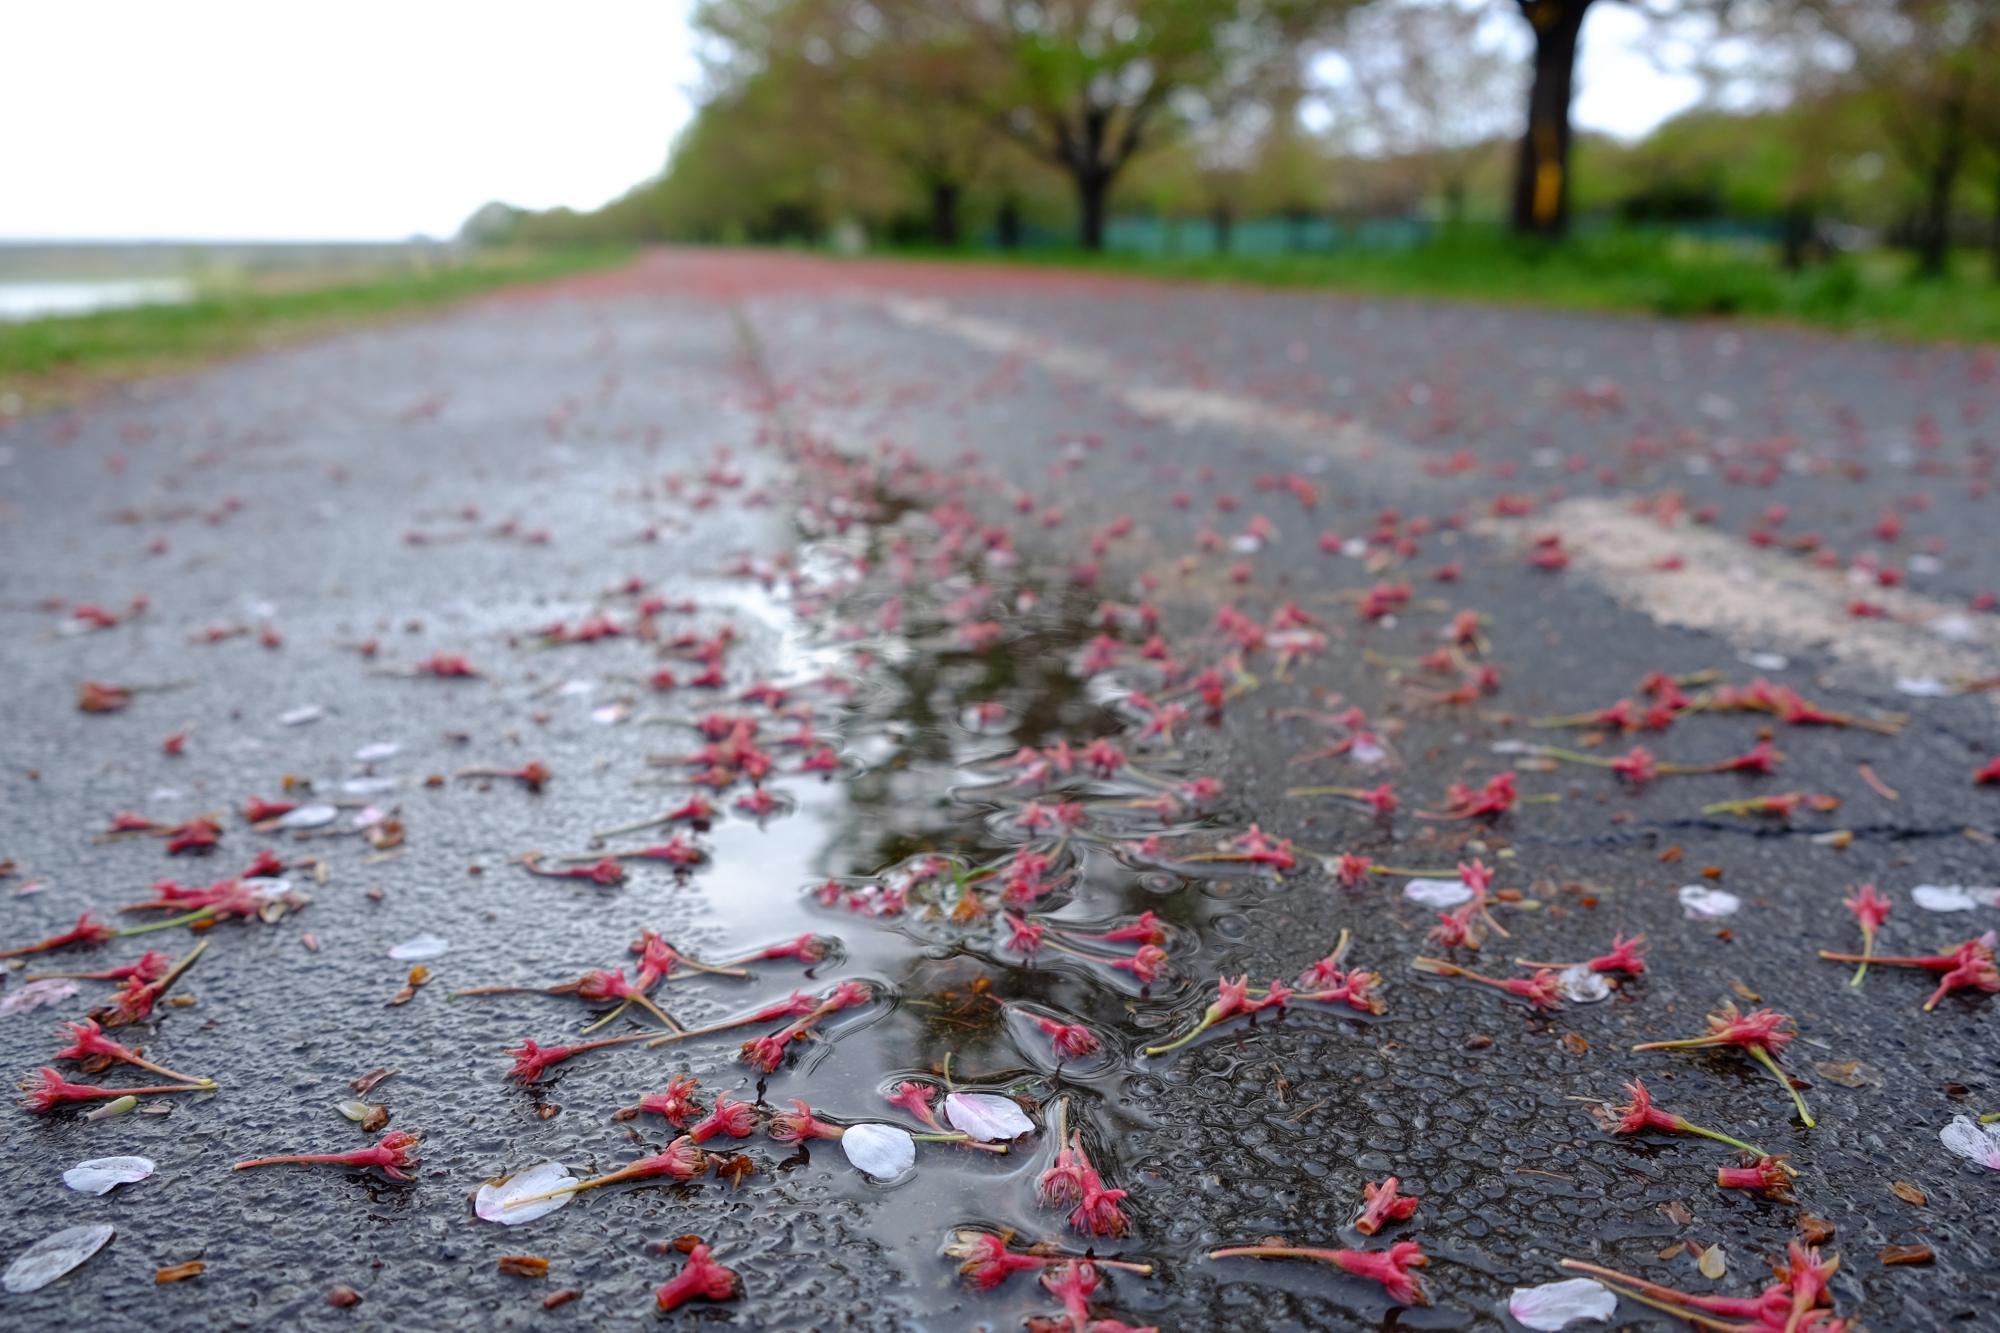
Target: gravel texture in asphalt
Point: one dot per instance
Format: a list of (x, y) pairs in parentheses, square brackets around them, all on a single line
[(1167, 536)]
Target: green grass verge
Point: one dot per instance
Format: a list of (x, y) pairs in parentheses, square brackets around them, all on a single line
[(45, 360), (1873, 294)]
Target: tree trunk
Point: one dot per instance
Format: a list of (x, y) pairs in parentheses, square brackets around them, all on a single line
[(1797, 230), (1223, 220), (1093, 188), (1934, 241), (1541, 181), (1009, 223), (944, 213)]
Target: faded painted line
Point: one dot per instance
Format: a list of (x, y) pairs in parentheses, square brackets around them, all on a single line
[(1759, 601), (1752, 599), (1343, 440)]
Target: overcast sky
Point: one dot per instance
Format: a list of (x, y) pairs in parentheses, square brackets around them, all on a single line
[(304, 119)]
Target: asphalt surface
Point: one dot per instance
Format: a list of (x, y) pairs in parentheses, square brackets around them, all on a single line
[(782, 441)]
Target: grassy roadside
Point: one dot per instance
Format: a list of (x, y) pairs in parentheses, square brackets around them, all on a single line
[(1871, 294), (49, 361)]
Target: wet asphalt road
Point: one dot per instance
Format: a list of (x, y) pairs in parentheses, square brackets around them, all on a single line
[(392, 485)]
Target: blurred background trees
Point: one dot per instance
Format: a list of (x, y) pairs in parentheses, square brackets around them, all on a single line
[(1213, 126)]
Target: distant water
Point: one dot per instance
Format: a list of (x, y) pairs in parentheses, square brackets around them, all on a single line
[(29, 300)]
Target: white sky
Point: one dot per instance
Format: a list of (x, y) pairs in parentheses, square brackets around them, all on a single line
[(304, 119)]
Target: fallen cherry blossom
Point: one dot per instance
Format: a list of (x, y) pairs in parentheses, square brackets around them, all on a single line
[(1640, 1115), (1760, 1034), (101, 1175), (682, 1160), (1384, 1204), (1073, 1180), (1541, 991), (1390, 1267), (86, 931), (1769, 1176), (1232, 999), (88, 1040), (1970, 964), (1792, 1303), (702, 1278), (392, 1152), (987, 1262), (48, 1089)]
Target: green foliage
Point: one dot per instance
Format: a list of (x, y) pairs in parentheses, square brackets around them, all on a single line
[(149, 339), (1632, 270)]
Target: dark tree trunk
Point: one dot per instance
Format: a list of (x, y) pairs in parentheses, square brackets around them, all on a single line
[(1934, 236), (1541, 181), (1009, 223), (1093, 189), (944, 213), (1223, 220), (1797, 230)]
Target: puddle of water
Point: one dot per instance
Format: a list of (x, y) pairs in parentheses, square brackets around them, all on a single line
[(993, 895), (34, 300)]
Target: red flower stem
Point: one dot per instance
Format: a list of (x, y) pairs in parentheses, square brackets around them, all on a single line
[(1689, 1127), (629, 828), (736, 972), (207, 1084), (650, 1007), (1659, 1297), (1072, 949), (174, 972), (1937, 963), (280, 1161), (1763, 1057), (188, 918), (712, 1029), (624, 1173), (202, 1086), (965, 1139)]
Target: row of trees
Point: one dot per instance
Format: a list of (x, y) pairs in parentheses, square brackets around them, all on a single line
[(876, 98)]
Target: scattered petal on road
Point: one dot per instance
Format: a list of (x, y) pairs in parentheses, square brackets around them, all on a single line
[(53, 1256), (491, 1204), (881, 1151), (1582, 985), (309, 816), (1968, 1138), (35, 994), (1705, 904), (1953, 897), (987, 1117), (1551, 1306), (1437, 892), (100, 1174), (420, 948)]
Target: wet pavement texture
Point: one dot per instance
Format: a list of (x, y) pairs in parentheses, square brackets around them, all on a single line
[(946, 542)]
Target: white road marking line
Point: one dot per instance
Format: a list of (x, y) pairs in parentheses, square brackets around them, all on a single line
[(1723, 587), (1756, 600)]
